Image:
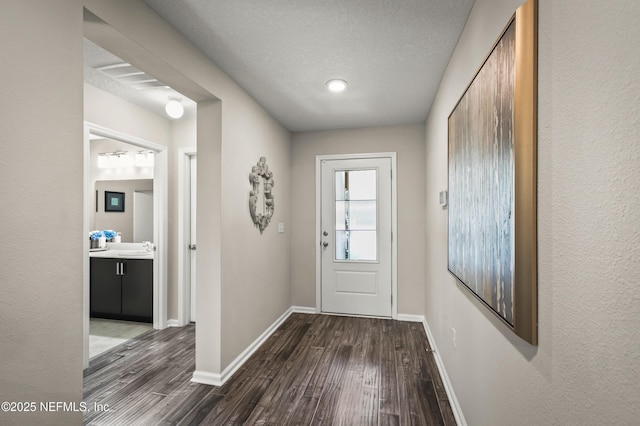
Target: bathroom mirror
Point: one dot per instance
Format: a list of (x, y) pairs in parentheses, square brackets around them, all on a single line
[(122, 173), (135, 223)]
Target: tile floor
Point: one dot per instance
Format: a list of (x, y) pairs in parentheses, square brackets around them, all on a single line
[(104, 334)]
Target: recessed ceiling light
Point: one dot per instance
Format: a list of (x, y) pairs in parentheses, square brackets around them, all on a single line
[(336, 85)]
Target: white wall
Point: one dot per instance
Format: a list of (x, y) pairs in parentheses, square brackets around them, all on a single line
[(256, 282), (408, 142), (118, 114), (41, 179), (586, 368)]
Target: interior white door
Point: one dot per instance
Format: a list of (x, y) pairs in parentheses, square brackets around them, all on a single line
[(192, 238), (356, 236)]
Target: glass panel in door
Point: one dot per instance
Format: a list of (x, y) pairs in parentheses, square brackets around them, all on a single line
[(356, 215)]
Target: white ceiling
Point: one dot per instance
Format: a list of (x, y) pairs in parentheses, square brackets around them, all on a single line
[(392, 52)]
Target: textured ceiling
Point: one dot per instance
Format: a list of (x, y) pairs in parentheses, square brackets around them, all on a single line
[(392, 52)]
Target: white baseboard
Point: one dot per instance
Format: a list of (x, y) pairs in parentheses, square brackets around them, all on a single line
[(410, 318), (207, 378), (220, 379), (303, 309), (173, 323), (453, 400)]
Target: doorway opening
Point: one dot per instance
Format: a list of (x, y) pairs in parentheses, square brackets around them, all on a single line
[(159, 255)]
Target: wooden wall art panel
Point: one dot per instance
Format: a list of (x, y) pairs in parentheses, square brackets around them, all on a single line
[(492, 179)]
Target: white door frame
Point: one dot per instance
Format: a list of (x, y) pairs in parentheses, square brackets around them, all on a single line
[(160, 206), (184, 221), (394, 224)]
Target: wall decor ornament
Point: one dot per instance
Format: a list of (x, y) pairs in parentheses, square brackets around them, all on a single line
[(492, 235), (261, 201)]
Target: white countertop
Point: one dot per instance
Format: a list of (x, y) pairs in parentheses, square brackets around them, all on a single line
[(123, 251)]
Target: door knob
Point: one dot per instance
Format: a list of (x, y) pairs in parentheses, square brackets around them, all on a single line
[(325, 244), (192, 246), (325, 233)]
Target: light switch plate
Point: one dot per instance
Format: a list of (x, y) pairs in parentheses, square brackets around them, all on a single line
[(281, 228)]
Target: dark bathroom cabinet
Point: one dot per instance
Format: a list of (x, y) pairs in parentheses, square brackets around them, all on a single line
[(122, 289)]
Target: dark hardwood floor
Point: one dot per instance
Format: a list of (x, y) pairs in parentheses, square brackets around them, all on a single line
[(313, 370)]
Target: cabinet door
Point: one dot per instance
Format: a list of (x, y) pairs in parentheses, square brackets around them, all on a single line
[(105, 287), (137, 289)]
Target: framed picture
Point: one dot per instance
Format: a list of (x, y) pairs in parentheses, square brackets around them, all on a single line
[(113, 201), (492, 235)]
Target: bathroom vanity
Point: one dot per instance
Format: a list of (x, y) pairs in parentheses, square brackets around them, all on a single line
[(122, 284)]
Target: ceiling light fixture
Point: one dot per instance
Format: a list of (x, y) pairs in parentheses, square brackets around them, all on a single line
[(174, 109), (336, 85)]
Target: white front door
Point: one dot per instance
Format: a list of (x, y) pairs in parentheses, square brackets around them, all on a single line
[(356, 236)]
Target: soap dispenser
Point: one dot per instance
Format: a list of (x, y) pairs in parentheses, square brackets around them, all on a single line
[(117, 238)]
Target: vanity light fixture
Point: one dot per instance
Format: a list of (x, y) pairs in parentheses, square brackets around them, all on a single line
[(111, 160), (144, 158), (123, 159), (174, 108), (336, 85)]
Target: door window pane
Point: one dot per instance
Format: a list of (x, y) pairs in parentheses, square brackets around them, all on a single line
[(356, 184), (362, 215), (356, 215), (362, 184), (341, 189), (356, 245), (342, 246), (362, 245)]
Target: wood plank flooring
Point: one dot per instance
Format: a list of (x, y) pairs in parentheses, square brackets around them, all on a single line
[(313, 370)]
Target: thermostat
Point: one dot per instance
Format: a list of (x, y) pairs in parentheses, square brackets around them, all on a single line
[(444, 198)]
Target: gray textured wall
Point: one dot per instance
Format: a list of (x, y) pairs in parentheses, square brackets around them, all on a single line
[(586, 368), (41, 178)]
